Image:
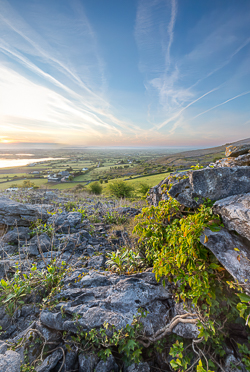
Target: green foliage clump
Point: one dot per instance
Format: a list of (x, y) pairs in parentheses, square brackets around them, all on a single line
[(27, 184), (170, 237), (95, 188), (121, 189), (14, 291), (70, 205), (39, 228), (125, 261), (107, 339), (73, 207), (143, 188), (114, 218), (173, 246)]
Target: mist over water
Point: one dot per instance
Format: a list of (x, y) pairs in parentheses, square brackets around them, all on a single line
[(6, 163)]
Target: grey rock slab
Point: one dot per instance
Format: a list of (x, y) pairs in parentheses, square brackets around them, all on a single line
[(235, 151), (141, 367), (3, 347), (105, 297), (186, 330), (50, 362), (13, 213), (96, 262), (235, 213), (65, 222), (71, 362), (108, 366), (10, 362), (214, 184), (39, 243), (233, 364), (242, 160), (16, 235), (157, 193), (87, 363), (222, 244)]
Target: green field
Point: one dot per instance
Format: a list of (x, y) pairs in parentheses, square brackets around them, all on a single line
[(6, 185), (150, 180)]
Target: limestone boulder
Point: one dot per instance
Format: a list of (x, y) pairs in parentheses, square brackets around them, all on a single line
[(157, 193), (214, 184), (235, 213), (234, 151), (231, 250), (13, 213), (104, 297), (18, 234), (10, 362), (50, 362), (241, 161), (65, 222)]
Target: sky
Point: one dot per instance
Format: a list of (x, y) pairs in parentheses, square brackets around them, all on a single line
[(125, 73)]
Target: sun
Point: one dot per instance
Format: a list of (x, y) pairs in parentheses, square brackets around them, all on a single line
[(5, 140)]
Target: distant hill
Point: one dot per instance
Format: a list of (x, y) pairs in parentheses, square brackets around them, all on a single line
[(202, 156)]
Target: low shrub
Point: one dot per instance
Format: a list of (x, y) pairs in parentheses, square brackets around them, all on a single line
[(95, 188), (121, 189), (143, 188)]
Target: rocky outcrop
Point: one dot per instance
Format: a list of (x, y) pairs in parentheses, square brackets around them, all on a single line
[(13, 213), (10, 361), (234, 151), (235, 213), (231, 250), (240, 161), (214, 184), (158, 193)]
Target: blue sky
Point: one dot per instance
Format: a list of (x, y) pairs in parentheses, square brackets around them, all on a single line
[(125, 73)]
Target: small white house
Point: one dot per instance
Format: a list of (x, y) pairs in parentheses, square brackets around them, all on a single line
[(85, 169)]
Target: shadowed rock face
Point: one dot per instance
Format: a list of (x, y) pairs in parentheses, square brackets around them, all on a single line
[(214, 184), (235, 151), (235, 213), (13, 213), (97, 298), (223, 243)]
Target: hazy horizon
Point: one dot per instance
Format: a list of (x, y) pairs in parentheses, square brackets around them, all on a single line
[(140, 73)]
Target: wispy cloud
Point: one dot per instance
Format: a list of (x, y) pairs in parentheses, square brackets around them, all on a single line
[(74, 99), (221, 104), (184, 108), (187, 81)]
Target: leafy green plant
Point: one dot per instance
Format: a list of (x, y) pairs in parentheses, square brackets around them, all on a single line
[(125, 261), (104, 340), (179, 361), (95, 188), (121, 189), (143, 188), (245, 353), (197, 166), (173, 244), (114, 218), (69, 206), (14, 291), (39, 228)]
